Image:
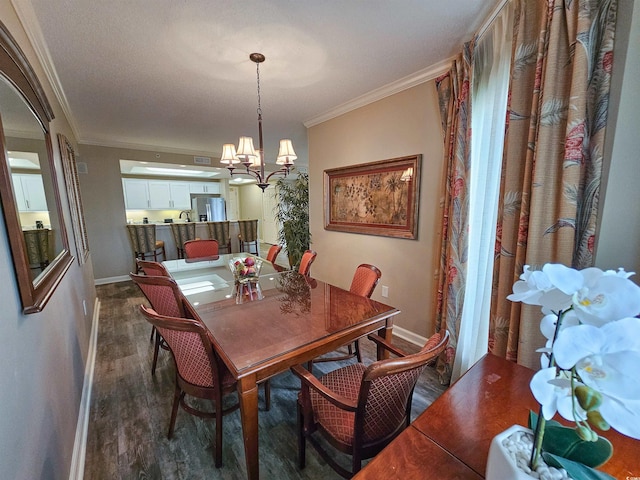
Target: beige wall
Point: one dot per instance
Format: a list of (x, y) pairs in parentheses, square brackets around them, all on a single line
[(618, 242), (43, 355), (406, 123), (105, 211)]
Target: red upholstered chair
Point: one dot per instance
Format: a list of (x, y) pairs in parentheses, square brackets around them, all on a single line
[(308, 258), (165, 297), (359, 409), (274, 250), (200, 248), (364, 282), (199, 373), (152, 269)]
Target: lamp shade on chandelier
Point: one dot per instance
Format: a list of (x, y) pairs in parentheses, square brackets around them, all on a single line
[(247, 155)]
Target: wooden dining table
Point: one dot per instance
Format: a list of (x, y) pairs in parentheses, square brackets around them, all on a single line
[(450, 440), (294, 319)]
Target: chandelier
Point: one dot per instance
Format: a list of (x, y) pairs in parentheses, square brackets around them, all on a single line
[(245, 153)]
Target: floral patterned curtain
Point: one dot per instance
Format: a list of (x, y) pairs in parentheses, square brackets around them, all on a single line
[(561, 67), (455, 110)]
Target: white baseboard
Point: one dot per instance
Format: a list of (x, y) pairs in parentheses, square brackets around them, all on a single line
[(80, 444), (104, 281), (409, 336)]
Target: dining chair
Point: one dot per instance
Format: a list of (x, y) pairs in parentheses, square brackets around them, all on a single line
[(152, 269), (144, 242), (165, 297), (360, 409), (220, 231), (363, 283), (248, 235), (199, 373), (200, 248), (182, 232), (307, 259), (274, 250)]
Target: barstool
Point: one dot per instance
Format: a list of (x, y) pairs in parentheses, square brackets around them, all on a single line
[(183, 232), (143, 240), (220, 231), (248, 235)]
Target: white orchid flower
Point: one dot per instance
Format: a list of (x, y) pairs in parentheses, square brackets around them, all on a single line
[(553, 393), (552, 288), (606, 359), (605, 297)]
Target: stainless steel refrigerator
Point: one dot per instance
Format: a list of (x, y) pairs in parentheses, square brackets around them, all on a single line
[(211, 209)]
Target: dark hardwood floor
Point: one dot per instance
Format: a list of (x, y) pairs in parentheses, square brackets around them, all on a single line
[(127, 437)]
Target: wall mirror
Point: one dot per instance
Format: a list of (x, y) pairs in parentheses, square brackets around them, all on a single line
[(28, 181)]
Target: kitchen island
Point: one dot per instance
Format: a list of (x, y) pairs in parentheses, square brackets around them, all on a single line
[(163, 232)]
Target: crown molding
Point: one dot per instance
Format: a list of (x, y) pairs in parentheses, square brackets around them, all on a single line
[(147, 148), (392, 88), (27, 16)]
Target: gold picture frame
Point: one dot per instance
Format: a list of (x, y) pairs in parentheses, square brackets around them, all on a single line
[(377, 198)]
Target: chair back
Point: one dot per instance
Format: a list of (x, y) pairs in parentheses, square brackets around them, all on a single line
[(365, 280), (384, 404), (248, 234), (305, 263), (143, 237), (191, 346), (274, 250), (152, 269), (163, 294), (220, 231), (200, 248), (183, 232)]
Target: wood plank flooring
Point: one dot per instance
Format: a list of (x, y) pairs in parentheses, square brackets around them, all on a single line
[(127, 437)]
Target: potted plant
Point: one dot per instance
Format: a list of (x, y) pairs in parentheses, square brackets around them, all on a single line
[(589, 373), (292, 215)]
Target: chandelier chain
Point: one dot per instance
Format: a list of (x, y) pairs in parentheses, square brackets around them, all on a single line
[(258, 77)]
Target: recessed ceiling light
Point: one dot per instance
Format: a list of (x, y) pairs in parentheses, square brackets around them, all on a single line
[(174, 170)]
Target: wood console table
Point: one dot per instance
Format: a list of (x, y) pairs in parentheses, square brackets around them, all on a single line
[(451, 438)]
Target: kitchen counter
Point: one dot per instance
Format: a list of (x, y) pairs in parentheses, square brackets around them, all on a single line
[(163, 232)]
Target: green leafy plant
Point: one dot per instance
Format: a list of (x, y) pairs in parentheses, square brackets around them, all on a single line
[(292, 215)]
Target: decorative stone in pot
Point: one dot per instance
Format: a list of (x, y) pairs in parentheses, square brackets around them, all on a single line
[(509, 456)]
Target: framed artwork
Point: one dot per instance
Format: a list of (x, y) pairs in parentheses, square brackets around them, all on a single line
[(378, 198), (75, 200)]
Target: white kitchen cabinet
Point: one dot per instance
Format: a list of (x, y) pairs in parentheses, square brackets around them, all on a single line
[(136, 193), (141, 194), (180, 195), (204, 187), (29, 193), (168, 195)]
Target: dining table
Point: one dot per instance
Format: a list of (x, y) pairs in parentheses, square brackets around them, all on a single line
[(279, 319)]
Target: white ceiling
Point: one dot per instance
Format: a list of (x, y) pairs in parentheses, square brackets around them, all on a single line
[(175, 75)]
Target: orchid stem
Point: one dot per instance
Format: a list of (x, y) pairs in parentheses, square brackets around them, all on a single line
[(540, 425)]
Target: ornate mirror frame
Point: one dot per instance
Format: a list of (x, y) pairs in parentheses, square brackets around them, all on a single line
[(34, 293)]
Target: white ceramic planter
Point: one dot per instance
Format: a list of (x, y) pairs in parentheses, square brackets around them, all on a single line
[(500, 465)]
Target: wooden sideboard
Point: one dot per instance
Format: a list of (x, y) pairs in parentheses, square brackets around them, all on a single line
[(451, 438)]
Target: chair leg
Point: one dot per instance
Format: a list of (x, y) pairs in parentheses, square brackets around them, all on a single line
[(153, 330), (156, 348), (177, 396), (302, 446), (356, 345), (218, 447), (267, 395)]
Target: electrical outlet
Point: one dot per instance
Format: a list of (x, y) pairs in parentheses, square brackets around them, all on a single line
[(385, 291)]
